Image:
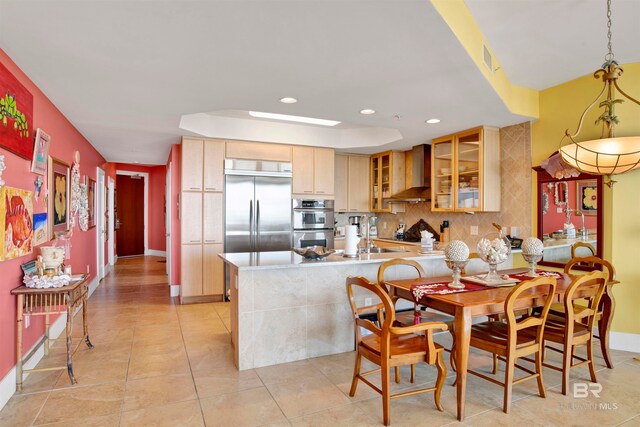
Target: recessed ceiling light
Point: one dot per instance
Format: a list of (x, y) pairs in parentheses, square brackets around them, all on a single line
[(289, 118), (288, 100), (367, 111), (432, 121)]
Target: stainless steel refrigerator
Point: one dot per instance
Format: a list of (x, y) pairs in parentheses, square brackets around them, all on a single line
[(257, 206)]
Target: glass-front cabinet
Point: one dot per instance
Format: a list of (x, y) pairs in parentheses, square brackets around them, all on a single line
[(466, 171), (387, 178)]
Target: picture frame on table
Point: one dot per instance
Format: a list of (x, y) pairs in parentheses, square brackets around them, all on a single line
[(587, 196), (40, 153), (58, 182), (91, 196)]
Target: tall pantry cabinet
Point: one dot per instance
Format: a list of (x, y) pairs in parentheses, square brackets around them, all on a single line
[(201, 219)]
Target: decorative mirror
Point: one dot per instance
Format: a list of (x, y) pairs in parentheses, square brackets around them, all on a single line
[(569, 217)]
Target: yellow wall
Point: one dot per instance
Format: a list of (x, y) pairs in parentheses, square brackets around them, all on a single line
[(560, 108)]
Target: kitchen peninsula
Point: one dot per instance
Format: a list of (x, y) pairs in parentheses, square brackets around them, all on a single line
[(285, 308)]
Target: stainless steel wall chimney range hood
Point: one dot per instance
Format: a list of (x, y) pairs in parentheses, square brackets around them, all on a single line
[(419, 188)]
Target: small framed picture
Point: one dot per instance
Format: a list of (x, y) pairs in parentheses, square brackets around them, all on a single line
[(58, 183), (91, 207), (587, 196), (40, 153)]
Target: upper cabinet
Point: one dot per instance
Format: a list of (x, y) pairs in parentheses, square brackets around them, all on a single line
[(387, 178), (465, 172), (192, 150), (313, 172), (203, 165), (351, 183), (258, 151)]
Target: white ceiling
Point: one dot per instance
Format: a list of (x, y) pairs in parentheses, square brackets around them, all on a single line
[(125, 72)]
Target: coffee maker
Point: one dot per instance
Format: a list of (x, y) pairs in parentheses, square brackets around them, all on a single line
[(355, 220)]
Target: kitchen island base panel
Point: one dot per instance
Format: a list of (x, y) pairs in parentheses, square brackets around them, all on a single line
[(284, 314)]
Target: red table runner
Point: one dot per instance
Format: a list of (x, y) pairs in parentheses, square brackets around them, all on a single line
[(523, 276)]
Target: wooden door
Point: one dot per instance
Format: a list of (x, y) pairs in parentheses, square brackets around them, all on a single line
[(342, 183), (302, 170), (358, 184), (213, 165), (323, 171), (192, 164), (212, 220), (130, 202), (191, 217)]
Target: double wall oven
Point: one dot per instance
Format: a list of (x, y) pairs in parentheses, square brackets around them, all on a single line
[(313, 223)]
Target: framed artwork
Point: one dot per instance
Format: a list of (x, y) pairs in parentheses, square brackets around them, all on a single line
[(16, 222), (91, 195), (58, 196), (40, 153), (16, 115), (587, 196), (40, 232)]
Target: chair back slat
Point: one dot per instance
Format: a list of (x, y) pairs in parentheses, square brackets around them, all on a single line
[(597, 278), (591, 261), (577, 245), (385, 302), (546, 285), (395, 262)]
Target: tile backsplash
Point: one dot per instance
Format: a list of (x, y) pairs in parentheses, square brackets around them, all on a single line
[(515, 151)]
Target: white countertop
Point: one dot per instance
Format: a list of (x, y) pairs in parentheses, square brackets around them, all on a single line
[(289, 259), (560, 243)]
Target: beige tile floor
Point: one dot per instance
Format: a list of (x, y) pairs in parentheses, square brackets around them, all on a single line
[(157, 363)]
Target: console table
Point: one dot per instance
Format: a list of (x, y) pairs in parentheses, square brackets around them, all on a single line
[(47, 302)]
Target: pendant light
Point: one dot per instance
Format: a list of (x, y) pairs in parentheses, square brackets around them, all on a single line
[(607, 155)]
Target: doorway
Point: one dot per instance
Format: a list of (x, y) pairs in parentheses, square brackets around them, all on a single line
[(167, 215), (100, 222), (131, 213)]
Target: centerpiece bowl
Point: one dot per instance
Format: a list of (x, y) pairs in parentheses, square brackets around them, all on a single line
[(493, 249)]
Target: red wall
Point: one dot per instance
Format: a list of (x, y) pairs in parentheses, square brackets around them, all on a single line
[(65, 140), (553, 221), (172, 203)]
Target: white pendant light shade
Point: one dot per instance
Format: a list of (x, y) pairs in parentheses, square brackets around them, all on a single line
[(606, 156)]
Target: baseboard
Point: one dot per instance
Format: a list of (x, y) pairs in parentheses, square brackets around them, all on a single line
[(175, 290), (8, 383), (107, 269), (624, 341), (153, 252), (93, 285), (200, 299)]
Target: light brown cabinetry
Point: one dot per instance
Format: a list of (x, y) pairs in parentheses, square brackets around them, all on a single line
[(466, 171), (201, 220), (387, 178), (351, 183), (258, 151), (313, 172)]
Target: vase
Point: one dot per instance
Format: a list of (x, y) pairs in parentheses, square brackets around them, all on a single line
[(494, 249)]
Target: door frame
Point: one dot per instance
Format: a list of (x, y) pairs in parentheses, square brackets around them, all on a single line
[(111, 248), (167, 222), (145, 177), (100, 231)]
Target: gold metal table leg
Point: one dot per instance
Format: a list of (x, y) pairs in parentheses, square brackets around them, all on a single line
[(19, 312)]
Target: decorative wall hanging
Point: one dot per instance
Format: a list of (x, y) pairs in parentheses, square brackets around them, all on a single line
[(38, 185), (40, 153), (58, 196), (76, 196), (561, 193), (83, 208), (587, 196), (40, 232), (91, 196), (16, 211), (545, 203), (2, 168), (16, 115)]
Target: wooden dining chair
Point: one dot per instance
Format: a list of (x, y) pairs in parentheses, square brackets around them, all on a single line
[(406, 317), (576, 246), (599, 264), (390, 346), (575, 327), (517, 338)]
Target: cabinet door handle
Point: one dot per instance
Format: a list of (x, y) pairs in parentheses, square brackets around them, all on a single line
[(210, 188), (320, 192), (210, 241), (194, 241), (308, 191), (194, 188)]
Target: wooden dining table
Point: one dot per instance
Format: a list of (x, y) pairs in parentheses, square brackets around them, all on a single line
[(464, 306)]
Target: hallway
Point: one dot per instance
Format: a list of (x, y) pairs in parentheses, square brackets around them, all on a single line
[(157, 363)]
